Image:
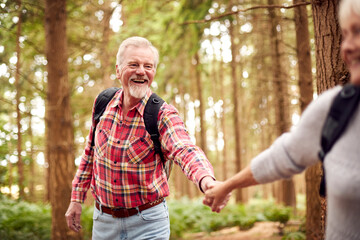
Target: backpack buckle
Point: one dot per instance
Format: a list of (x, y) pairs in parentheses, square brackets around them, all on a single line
[(321, 155), (348, 92)]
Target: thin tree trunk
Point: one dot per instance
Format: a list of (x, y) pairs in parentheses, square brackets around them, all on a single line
[(303, 54), (202, 104), (10, 171), (312, 177), (223, 120), (32, 163), (287, 190), (20, 163), (60, 139), (330, 70), (104, 51), (236, 119)]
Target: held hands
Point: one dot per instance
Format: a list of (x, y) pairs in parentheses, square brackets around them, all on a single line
[(215, 196), (72, 216)]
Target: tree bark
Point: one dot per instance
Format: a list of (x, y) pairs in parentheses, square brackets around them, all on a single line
[(312, 177), (330, 71), (60, 138), (287, 189)]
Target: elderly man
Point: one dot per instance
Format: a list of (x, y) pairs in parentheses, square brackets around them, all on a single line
[(127, 178)]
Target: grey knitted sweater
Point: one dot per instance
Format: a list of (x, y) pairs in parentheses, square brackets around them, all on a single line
[(293, 152)]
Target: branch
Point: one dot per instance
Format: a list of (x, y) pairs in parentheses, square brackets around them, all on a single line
[(245, 10)]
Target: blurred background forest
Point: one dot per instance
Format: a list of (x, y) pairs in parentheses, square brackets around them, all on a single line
[(240, 73)]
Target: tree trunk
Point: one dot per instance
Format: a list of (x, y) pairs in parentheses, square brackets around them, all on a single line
[(303, 54), (199, 89), (330, 71), (235, 100), (312, 177), (287, 192), (60, 139), (32, 163), (223, 120), (20, 163), (104, 51)]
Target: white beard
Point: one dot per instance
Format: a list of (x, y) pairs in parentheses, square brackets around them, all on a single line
[(137, 91)]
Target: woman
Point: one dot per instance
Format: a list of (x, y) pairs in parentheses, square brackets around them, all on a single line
[(293, 152)]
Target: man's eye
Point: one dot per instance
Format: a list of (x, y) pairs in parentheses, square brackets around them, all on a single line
[(148, 66), (133, 65)]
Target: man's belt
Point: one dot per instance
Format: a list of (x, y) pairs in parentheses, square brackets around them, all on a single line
[(127, 212)]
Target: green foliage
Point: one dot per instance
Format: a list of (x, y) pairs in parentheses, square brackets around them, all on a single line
[(87, 221), (188, 216), (278, 214), (294, 236), (22, 220), (30, 221), (3, 171)]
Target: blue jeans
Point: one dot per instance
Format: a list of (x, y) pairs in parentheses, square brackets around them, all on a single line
[(152, 223)]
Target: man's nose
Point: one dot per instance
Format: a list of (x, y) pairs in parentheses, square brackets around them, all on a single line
[(140, 70)]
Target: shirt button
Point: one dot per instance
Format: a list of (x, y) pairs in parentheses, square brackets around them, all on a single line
[(115, 180), (118, 142), (115, 163), (117, 200)]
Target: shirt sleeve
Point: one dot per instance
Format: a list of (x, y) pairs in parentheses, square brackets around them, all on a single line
[(177, 146), (294, 151), (84, 173)]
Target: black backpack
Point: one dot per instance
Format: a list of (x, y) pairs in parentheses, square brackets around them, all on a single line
[(151, 112), (341, 110)]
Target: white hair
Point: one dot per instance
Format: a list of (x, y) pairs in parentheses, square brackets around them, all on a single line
[(136, 42), (346, 8)]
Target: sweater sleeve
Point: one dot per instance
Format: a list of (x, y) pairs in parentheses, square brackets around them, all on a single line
[(294, 151)]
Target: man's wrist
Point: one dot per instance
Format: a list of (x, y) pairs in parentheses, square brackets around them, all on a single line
[(204, 183)]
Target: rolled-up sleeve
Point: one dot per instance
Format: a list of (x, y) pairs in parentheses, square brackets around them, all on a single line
[(177, 146)]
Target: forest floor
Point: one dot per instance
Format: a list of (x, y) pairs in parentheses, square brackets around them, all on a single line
[(260, 231)]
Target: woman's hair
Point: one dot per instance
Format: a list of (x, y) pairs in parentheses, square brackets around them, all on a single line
[(346, 7), (136, 42)]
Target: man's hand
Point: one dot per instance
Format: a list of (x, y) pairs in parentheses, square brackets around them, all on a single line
[(72, 216), (207, 184), (217, 197)]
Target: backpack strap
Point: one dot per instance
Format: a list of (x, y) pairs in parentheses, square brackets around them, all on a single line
[(341, 110), (100, 105), (151, 113)]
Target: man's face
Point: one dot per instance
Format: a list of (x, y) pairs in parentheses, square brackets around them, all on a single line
[(137, 71)]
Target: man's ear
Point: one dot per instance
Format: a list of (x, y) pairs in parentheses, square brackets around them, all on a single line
[(117, 71)]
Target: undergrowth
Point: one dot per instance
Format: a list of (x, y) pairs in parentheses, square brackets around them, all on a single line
[(22, 220)]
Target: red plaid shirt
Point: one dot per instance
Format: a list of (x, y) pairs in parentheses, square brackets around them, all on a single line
[(123, 169)]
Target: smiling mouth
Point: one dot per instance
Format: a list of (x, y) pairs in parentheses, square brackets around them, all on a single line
[(140, 81)]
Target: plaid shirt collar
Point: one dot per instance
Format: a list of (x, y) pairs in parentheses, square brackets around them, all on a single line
[(140, 107)]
